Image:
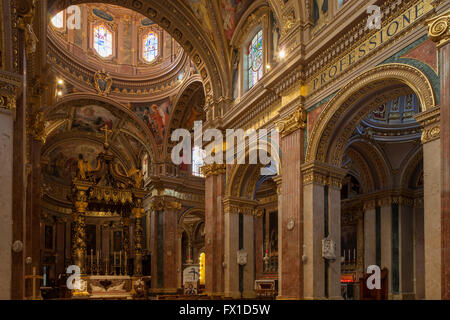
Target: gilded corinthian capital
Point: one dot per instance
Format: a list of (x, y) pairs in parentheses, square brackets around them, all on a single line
[(213, 169), (439, 29), (294, 121)]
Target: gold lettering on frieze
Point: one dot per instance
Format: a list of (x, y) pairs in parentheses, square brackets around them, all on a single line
[(371, 43)]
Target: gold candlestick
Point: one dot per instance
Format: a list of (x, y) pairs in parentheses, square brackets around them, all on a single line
[(92, 261), (120, 262), (114, 262), (98, 262), (126, 263)]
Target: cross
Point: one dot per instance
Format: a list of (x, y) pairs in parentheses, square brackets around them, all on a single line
[(106, 130), (194, 272), (34, 277)]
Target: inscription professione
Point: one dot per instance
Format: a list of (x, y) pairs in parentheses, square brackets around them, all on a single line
[(383, 35)]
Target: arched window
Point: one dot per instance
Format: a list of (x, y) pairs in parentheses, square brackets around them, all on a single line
[(255, 59), (58, 20), (102, 41), (150, 46), (198, 154)]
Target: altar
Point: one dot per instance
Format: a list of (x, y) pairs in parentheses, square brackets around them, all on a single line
[(114, 195), (110, 287)]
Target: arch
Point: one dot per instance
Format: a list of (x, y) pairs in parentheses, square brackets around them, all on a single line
[(345, 104), (179, 21), (237, 174), (186, 92), (375, 159), (410, 166), (81, 99)]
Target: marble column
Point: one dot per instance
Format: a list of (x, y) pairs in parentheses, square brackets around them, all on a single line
[(432, 176), (419, 253), (386, 239), (322, 219), (249, 247), (313, 222), (214, 228), (33, 203), (259, 245), (369, 235), (7, 105), (439, 31), (290, 214), (170, 257), (165, 270), (239, 238), (334, 227), (231, 247), (406, 235)]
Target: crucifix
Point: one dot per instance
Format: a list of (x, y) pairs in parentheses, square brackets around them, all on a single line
[(33, 278), (106, 130)]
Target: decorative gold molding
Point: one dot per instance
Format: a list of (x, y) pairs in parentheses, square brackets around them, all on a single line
[(236, 205), (294, 121), (322, 173), (9, 85), (161, 203), (103, 82), (213, 169), (431, 134), (36, 126), (430, 120), (439, 29)]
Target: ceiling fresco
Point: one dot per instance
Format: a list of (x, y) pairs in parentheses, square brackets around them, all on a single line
[(155, 115), (92, 118), (62, 160), (232, 11)]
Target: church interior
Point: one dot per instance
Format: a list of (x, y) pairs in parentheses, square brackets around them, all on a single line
[(93, 206)]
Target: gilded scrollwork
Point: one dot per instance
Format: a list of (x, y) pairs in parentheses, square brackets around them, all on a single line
[(293, 122), (439, 29), (213, 169)]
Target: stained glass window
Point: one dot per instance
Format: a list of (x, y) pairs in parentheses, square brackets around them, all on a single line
[(102, 41), (255, 59), (198, 154), (150, 46), (58, 20)]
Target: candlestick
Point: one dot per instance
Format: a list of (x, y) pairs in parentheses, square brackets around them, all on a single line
[(120, 262), (126, 263), (92, 260), (114, 262), (98, 262)]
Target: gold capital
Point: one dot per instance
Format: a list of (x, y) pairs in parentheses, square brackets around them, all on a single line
[(439, 29), (213, 169), (294, 121)]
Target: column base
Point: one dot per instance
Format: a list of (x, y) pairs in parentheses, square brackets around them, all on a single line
[(249, 294), (287, 298), (233, 294), (165, 291)]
